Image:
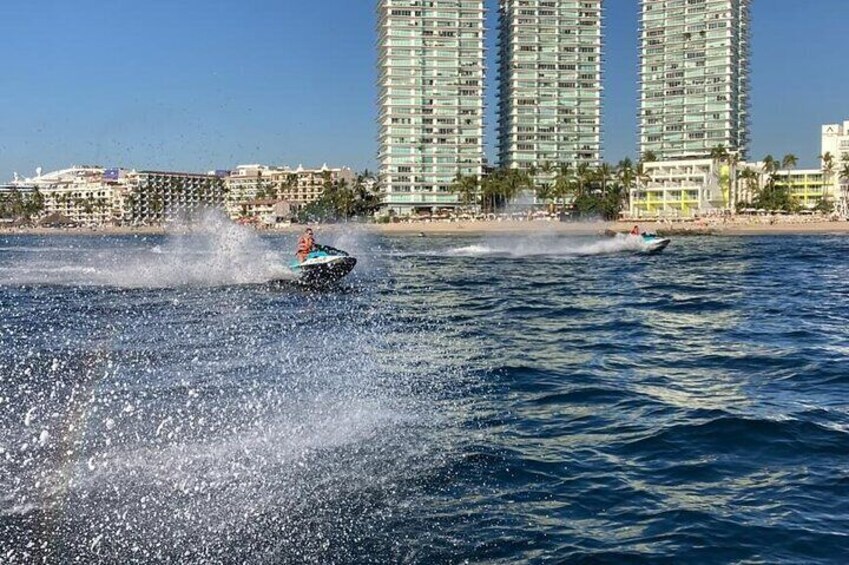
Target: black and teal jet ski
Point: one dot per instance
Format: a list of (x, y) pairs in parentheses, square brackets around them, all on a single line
[(652, 243), (324, 265)]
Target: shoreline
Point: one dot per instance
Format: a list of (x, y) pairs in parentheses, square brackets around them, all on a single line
[(506, 227)]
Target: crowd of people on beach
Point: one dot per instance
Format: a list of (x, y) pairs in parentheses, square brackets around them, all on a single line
[(703, 221)]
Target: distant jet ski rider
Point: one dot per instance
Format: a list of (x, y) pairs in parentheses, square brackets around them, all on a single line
[(636, 230), (306, 245)]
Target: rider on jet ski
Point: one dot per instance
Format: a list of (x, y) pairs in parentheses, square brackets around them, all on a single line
[(306, 245)]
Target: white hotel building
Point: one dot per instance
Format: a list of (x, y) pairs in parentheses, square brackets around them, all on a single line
[(431, 104), (694, 77), (835, 140), (550, 63), (696, 187)]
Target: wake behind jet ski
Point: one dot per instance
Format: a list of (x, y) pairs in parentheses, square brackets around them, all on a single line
[(320, 264)]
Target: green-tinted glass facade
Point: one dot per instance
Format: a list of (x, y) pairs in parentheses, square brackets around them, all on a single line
[(694, 77), (550, 64), (431, 82)]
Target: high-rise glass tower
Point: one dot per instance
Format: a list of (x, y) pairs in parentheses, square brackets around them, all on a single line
[(694, 77), (431, 105), (550, 82)]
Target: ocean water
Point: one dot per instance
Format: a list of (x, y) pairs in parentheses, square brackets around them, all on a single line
[(177, 399)]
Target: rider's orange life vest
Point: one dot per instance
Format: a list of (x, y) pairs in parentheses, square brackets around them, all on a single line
[(305, 244)]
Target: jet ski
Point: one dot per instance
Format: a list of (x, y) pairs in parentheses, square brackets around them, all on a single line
[(652, 244), (324, 265), (647, 243)]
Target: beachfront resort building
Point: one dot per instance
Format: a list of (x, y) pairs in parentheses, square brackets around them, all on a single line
[(79, 195), (151, 198), (16, 199), (702, 187), (96, 196), (835, 144), (694, 77), (278, 192), (549, 83), (682, 189), (431, 104), (808, 188), (835, 140)]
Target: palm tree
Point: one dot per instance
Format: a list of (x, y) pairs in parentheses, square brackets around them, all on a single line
[(827, 166), (502, 186), (770, 166), (750, 176), (733, 161), (844, 188), (641, 178), (544, 192), (627, 177), (489, 191), (584, 174), (35, 204), (649, 157), (466, 187), (789, 163), (532, 171), (626, 174), (719, 153), (517, 181), (563, 183), (604, 174)]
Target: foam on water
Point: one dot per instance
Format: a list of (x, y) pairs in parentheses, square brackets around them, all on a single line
[(212, 252), (210, 423), (549, 246)]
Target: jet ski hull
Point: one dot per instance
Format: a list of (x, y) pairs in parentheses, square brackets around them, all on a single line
[(323, 266), (324, 272), (655, 244)]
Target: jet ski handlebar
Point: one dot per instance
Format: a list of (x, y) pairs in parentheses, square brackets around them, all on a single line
[(330, 250)]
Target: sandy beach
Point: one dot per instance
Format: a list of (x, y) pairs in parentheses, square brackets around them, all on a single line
[(790, 225), (729, 227)]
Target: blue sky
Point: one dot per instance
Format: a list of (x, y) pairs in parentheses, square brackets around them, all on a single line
[(203, 84)]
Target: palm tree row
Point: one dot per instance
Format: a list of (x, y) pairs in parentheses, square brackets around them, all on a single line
[(776, 193), (15, 204), (604, 190), (583, 189), (341, 200)]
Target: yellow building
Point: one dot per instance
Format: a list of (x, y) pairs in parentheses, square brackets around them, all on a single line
[(681, 189), (807, 187)]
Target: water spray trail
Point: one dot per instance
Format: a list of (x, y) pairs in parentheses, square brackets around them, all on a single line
[(549, 247), (212, 252)]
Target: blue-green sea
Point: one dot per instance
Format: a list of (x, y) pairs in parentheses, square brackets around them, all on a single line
[(522, 399)]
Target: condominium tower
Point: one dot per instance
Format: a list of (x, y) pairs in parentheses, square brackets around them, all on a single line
[(550, 82), (431, 74), (694, 77)]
